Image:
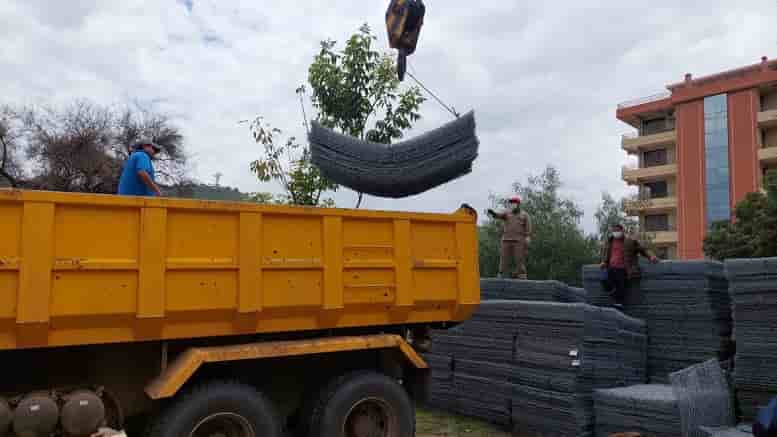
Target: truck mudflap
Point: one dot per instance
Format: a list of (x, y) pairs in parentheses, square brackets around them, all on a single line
[(186, 364)]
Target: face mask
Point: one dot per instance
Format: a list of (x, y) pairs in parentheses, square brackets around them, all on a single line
[(617, 235)]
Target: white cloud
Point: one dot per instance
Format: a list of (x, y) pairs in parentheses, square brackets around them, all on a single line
[(543, 77)]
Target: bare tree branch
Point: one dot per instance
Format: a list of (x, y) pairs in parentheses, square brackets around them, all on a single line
[(82, 147), (6, 158)]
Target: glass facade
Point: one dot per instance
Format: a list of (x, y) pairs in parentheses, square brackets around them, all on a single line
[(716, 158)]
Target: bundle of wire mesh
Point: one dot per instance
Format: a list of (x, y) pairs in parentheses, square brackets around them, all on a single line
[(533, 365), (687, 308), (396, 170), (754, 291)]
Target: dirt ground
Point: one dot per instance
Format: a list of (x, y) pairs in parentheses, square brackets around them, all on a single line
[(436, 424)]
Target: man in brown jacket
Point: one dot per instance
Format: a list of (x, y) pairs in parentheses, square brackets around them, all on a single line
[(515, 239), (620, 258)]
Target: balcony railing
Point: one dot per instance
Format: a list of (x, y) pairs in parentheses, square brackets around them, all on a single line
[(767, 119), (635, 135), (667, 237), (768, 155), (633, 142), (644, 204), (634, 175), (643, 100), (662, 229)]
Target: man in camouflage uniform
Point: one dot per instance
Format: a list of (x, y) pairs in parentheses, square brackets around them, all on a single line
[(515, 239)]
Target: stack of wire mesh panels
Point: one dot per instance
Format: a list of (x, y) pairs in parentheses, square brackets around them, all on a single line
[(743, 430), (648, 409), (563, 352), (535, 364), (687, 308), (595, 292), (547, 291), (754, 291), (472, 363)]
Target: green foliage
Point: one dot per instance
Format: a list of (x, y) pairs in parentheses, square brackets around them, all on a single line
[(611, 212), (489, 238), (289, 164), (559, 247), (351, 87), (753, 234)]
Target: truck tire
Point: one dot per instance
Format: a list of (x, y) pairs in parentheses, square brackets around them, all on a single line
[(219, 408), (363, 404)]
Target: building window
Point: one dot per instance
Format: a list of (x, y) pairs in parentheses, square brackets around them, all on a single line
[(769, 101), (656, 190), (656, 126), (716, 158), (657, 223), (655, 158), (769, 137)]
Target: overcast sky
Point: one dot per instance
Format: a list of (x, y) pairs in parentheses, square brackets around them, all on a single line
[(543, 77)]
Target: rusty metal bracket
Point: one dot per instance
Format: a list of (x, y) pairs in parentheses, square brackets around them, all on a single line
[(186, 364)]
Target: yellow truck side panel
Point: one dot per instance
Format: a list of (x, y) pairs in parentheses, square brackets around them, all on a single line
[(86, 269)]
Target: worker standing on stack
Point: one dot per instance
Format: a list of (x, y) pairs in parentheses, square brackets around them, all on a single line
[(620, 262), (515, 238)]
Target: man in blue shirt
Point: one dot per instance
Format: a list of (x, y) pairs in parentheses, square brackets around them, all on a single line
[(137, 178)]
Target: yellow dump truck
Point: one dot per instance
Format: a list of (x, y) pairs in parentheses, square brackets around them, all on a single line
[(219, 318)]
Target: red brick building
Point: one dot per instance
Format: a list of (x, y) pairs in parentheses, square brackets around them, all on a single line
[(701, 147)]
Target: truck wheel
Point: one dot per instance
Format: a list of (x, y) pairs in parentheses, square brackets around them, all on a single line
[(219, 409), (363, 404)]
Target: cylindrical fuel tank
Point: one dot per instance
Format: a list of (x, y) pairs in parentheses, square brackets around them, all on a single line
[(82, 414), (6, 417), (36, 415)]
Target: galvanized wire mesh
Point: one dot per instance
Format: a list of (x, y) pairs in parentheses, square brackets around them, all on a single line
[(739, 431), (703, 398)]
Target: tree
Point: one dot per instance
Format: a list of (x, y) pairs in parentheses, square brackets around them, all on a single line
[(355, 92), (10, 168), (753, 233), (611, 212), (136, 123), (559, 247), (290, 165), (352, 87), (82, 147)]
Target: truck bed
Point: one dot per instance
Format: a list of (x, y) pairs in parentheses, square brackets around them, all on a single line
[(78, 269)]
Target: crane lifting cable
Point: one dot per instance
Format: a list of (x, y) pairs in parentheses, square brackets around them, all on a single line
[(399, 170)]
